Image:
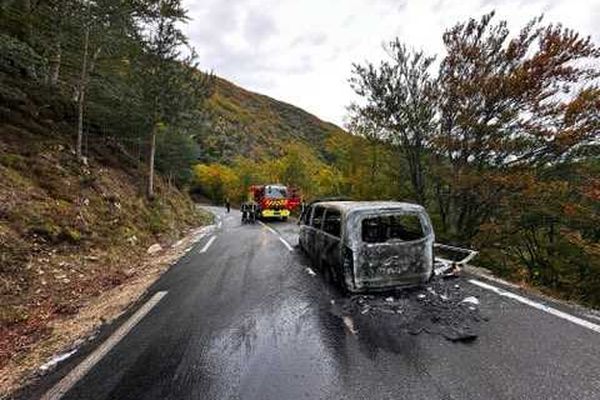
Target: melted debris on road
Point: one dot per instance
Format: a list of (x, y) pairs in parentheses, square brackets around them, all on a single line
[(440, 308)]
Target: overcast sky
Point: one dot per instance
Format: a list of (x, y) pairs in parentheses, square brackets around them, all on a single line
[(301, 51)]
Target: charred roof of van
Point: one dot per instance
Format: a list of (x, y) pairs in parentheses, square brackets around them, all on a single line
[(347, 206)]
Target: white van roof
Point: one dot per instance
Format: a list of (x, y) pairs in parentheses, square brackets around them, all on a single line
[(347, 206)]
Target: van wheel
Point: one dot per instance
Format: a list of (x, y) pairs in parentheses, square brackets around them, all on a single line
[(325, 270), (327, 275), (302, 249), (330, 274)]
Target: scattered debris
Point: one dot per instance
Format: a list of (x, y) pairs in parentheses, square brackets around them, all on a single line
[(439, 310), (450, 260), (155, 248), (349, 324)]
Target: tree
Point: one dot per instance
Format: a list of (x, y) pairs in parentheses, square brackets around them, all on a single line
[(171, 85), (218, 181), (399, 99), (176, 153), (505, 102)]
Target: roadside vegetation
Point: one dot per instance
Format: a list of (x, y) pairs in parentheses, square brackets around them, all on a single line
[(107, 123), (499, 139), (94, 97)]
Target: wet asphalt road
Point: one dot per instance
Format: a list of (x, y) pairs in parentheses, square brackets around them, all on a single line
[(246, 320)]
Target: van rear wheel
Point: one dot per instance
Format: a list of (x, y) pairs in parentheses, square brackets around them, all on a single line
[(331, 274)]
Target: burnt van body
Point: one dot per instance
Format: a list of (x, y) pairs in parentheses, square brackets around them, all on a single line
[(366, 246)]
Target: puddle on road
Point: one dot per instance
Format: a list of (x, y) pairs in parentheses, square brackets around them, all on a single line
[(441, 308)]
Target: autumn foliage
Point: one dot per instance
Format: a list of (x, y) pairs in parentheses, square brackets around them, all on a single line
[(510, 154), (499, 139)]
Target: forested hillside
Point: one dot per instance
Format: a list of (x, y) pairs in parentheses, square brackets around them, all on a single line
[(94, 96), (256, 126), (106, 125), (500, 143)]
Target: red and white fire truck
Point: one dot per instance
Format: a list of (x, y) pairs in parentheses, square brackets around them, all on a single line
[(274, 200)]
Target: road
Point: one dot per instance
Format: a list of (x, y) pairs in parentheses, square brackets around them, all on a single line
[(242, 317)]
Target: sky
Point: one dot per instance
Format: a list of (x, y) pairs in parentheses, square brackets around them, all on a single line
[(301, 51)]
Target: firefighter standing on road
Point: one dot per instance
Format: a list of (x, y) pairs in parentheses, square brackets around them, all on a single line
[(253, 211), (245, 209)]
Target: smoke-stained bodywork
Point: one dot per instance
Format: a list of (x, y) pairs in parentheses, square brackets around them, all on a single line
[(373, 250)]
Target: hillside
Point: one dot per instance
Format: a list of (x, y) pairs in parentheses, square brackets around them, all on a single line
[(256, 126), (70, 233)]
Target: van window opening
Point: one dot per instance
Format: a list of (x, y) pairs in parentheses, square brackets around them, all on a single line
[(332, 224), (380, 229), (317, 217)]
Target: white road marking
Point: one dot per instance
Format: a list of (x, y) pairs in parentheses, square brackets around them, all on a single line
[(273, 231), (199, 237), (207, 245), (289, 246), (281, 239), (66, 383), (539, 306)]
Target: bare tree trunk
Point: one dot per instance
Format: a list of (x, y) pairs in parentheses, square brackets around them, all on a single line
[(150, 186), (54, 62), (55, 59), (81, 93)]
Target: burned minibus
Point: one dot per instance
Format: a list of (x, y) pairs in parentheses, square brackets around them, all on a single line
[(365, 246)]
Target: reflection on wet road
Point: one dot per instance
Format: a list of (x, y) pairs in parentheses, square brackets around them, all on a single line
[(245, 318)]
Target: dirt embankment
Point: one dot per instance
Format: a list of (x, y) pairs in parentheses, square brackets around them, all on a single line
[(69, 235)]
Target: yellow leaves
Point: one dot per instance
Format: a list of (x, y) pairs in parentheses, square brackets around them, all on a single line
[(299, 167), (219, 181)]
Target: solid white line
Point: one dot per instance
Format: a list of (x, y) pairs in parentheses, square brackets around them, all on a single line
[(207, 245), (282, 240), (539, 306), (273, 231), (66, 383), (200, 237)]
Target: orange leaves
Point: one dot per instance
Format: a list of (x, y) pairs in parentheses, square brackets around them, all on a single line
[(591, 190)]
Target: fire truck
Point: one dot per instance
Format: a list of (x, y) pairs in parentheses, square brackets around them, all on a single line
[(274, 200)]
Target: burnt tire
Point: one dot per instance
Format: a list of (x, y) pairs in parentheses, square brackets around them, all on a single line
[(302, 249), (327, 276)]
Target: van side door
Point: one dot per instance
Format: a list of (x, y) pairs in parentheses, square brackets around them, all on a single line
[(331, 240), (313, 232), (305, 227)]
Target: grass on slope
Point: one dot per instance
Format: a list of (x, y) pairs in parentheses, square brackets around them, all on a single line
[(256, 126), (69, 232)]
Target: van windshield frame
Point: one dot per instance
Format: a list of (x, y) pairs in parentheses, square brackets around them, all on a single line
[(392, 227)]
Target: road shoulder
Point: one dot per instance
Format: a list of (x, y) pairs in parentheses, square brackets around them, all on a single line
[(68, 335)]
